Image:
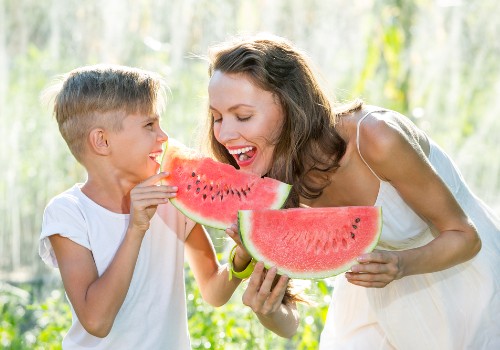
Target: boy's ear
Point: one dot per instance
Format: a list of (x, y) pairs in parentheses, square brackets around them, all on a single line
[(98, 141)]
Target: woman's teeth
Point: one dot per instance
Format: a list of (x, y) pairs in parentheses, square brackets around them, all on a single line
[(241, 153), (240, 150)]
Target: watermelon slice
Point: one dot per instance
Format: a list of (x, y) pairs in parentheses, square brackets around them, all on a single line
[(310, 243), (211, 193)]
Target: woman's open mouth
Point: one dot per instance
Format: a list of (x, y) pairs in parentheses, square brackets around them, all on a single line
[(243, 155)]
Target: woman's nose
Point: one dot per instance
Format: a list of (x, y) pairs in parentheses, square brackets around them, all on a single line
[(227, 131)]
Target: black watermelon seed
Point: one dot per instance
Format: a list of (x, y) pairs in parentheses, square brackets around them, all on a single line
[(197, 181), (353, 235), (193, 174), (189, 187), (357, 220), (198, 190), (204, 196), (354, 226)]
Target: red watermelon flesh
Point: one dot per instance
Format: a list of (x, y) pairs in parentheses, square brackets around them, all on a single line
[(211, 193), (310, 242)]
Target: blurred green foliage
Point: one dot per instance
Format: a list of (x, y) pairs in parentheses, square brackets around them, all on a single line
[(28, 323), (434, 61), (32, 324)]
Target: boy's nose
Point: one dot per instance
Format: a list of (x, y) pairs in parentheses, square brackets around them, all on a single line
[(162, 136)]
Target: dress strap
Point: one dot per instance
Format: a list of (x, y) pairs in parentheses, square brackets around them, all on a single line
[(357, 143)]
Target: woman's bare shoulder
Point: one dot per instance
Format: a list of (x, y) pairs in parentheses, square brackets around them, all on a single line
[(381, 130)]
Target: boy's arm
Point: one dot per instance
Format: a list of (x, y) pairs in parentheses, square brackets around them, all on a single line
[(97, 300), (211, 277)]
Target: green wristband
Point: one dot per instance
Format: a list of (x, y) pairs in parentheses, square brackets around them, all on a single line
[(242, 274)]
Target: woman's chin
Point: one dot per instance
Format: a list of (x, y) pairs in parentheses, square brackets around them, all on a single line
[(252, 170)]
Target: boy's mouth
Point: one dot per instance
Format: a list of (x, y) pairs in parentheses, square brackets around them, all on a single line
[(156, 156), (242, 154)]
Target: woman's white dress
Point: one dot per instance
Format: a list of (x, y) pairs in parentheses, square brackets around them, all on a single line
[(458, 308)]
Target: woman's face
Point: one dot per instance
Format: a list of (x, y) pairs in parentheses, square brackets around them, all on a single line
[(247, 120)]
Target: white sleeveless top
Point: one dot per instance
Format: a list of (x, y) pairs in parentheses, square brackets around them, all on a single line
[(458, 308)]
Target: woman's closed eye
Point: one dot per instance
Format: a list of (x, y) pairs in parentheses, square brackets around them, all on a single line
[(216, 119), (243, 118)]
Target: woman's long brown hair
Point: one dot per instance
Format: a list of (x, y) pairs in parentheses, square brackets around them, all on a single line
[(308, 147)]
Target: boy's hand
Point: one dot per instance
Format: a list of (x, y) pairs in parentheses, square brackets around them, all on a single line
[(144, 199)]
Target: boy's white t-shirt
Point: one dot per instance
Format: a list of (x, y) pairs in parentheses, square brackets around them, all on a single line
[(153, 314)]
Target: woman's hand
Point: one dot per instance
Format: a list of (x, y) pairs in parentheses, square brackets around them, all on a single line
[(376, 269), (241, 253), (263, 295)]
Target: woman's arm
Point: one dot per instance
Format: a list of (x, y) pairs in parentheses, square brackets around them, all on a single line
[(396, 157), (261, 295), (264, 295)]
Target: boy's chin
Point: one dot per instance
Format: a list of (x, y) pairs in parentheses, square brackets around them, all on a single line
[(146, 175)]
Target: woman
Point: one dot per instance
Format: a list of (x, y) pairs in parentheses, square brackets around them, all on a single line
[(432, 281)]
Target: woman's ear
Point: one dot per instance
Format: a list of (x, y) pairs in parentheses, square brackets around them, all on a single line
[(98, 142)]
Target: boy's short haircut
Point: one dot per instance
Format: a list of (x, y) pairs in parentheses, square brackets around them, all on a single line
[(101, 96)]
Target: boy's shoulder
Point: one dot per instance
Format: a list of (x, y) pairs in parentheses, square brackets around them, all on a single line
[(72, 194), (72, 200)]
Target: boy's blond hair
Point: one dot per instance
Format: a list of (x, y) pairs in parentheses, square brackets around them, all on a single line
[(100, 96)]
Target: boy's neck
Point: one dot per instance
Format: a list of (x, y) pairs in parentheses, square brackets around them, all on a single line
[(112, 195)]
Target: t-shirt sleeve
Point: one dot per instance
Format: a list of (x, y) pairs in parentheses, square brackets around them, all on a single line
[(62, 216), (188, 225)]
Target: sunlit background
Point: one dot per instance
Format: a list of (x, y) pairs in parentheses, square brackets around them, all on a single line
[(436, 61)]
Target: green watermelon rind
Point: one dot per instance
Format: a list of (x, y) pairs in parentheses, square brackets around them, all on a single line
[(282, 192), (244, 220)]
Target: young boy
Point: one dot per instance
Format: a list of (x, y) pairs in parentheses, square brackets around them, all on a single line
[(118, 243)]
